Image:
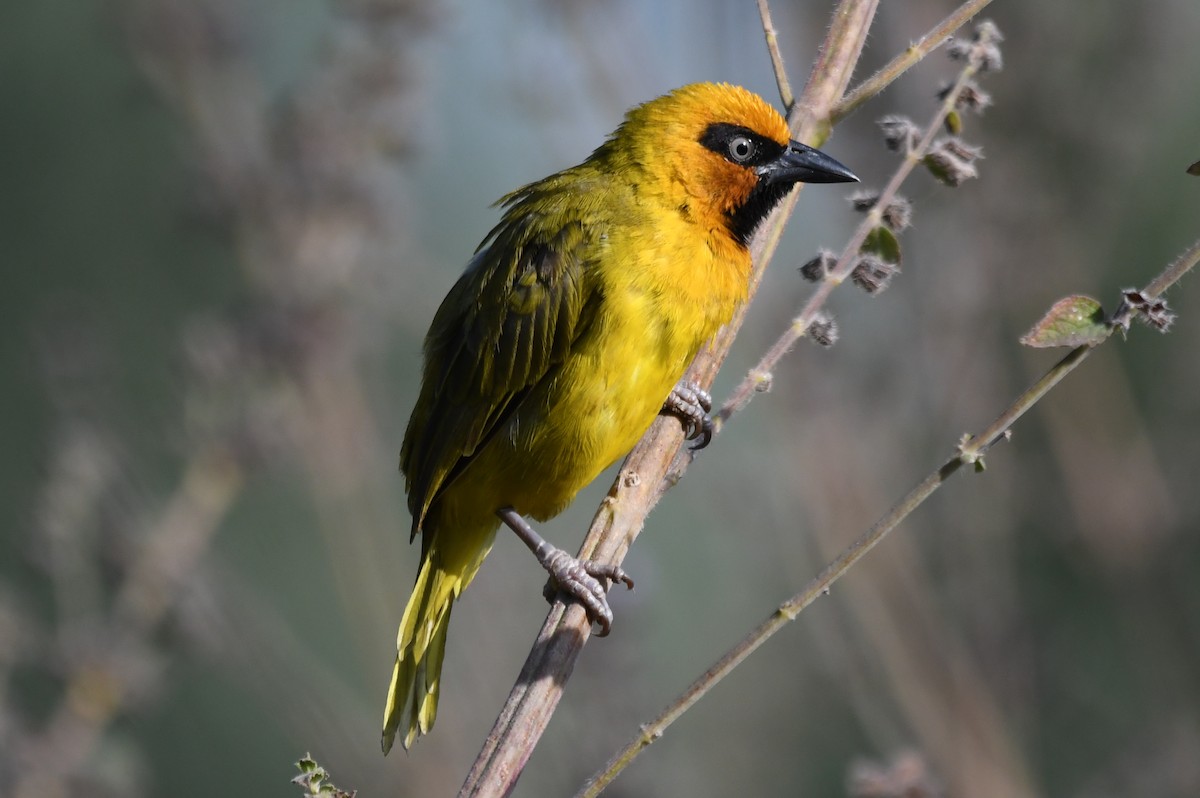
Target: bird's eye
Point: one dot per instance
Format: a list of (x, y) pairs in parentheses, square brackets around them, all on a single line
[(741, 149)]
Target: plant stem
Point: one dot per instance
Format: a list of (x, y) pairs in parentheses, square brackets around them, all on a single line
[(970, 452), (785, 87), (750, 385), (916, 51)]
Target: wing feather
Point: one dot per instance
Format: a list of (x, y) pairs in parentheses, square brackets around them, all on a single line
[(511, 317)]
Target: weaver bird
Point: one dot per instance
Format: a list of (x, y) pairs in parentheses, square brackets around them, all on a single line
[(565, 337)]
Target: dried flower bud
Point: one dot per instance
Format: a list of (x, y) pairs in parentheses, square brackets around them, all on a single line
[(987, 57), (987, 31), (899, 133), (960, 149), (983, 51), (949, 160), (898, 214), (957, 49), (819, 266), (1153, 312), (863, 201), (763, 380), (973, 98), (872, 273), (970, 97), (823, 330)]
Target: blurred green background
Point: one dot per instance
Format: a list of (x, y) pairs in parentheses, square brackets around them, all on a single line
[(225, 228)]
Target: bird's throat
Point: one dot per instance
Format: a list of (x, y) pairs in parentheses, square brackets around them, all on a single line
[(745, 218)]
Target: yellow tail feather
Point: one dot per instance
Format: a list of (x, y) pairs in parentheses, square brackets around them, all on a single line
[(448, 567)]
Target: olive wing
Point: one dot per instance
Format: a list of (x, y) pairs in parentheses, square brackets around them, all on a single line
[(513, 315)]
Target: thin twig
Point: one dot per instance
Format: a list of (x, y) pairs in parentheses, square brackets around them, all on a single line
[(1173, 273), (644, 473), (970, 452), (781, 78), (875, 85)]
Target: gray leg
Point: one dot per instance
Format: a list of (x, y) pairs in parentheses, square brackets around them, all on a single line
[(579, 579)]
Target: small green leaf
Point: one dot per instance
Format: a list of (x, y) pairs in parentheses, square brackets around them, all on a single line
[(882, 242), (308, 766), (1073, 321), (953, 123), (1194, 169), (314, 779)]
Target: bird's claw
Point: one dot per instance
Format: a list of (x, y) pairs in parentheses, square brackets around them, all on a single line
[(691, 404), (581, 579)]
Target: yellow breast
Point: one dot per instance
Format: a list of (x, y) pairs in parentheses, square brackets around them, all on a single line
[(662, 300)]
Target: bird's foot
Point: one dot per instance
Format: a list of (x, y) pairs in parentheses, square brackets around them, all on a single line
[(691, 403), (579, 579)]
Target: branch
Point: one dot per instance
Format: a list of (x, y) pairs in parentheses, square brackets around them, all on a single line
[(643, 476)]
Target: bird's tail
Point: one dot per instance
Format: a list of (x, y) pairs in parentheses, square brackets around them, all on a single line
[(449, 565)]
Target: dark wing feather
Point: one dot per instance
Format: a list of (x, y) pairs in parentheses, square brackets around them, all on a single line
[(510, 318)]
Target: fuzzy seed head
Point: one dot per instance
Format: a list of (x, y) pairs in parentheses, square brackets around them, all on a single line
[(957, 49), (988, 57), (988, 31), (823, 330), (873, 274), (863, 201), (898, 214), (950, 161), (1153, 311), (970, 97), (982, 51), (816, 269), (960, 149), (900, 133)]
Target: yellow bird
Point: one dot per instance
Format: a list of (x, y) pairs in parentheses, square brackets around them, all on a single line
[(565, 337)]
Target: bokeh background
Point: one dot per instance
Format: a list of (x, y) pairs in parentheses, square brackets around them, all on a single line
[(225, 228)]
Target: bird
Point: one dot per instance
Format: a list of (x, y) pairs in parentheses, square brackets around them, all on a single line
[(567, 334)]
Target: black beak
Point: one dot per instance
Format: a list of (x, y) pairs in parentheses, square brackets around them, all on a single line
[(800, 163)]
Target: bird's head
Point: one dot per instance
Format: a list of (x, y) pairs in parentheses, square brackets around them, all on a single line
[(720, 154)]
